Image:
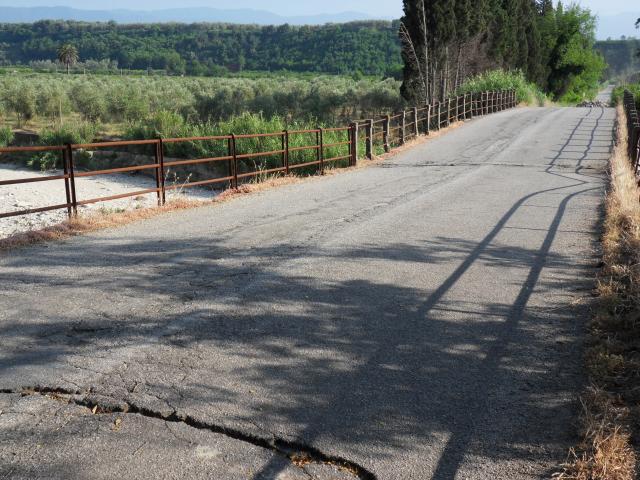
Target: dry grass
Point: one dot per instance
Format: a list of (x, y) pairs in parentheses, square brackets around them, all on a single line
[(605, 452), (92, 222), (107, 219), (611, 405)]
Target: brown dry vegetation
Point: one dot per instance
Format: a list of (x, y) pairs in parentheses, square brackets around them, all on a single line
[(611, 406), (107, 219)]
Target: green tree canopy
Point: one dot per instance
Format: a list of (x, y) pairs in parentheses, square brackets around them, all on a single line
[(68, 55)]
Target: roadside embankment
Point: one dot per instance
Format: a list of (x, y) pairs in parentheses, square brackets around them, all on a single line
[(611, 404)]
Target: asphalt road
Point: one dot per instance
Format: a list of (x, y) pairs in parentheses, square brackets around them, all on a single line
[(418, 319)]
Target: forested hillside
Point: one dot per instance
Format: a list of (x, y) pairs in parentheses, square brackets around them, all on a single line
[(370, 48), (621, 56)]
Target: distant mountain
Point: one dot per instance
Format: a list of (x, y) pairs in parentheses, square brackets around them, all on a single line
[(615, 26), (182, 15)]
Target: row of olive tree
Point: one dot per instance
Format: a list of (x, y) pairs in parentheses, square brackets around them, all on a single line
[(122, 100)]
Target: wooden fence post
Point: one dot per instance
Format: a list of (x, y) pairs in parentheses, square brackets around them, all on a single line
[(428, 129), (416, 130), (385, 132), (448, 111)]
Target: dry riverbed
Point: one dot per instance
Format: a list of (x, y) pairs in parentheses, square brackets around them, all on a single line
[(39, 194)]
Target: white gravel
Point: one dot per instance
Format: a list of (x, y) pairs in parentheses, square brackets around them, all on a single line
[(41, 194)]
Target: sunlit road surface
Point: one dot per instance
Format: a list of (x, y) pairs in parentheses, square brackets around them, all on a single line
[(420, 318)]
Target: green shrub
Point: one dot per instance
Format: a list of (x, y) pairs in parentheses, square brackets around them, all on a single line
[(89, 101), (6, 136), (52, 101), (167, 124), (77, 133), (20, 98), (526, 92), (618, 93)]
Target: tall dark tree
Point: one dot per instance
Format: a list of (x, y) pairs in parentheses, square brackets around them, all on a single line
[(638, 26), (446, 41)]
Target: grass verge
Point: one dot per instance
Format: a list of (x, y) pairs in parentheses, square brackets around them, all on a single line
[(611, 404)]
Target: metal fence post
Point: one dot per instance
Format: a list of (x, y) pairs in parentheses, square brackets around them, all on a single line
[(385, 132), (321, 150), (72, 180), (234, 154), (162, 174), (285, 148), (369, 138), (65, 167), (354, 144), (636, 159), (230, 162), (157, 162)]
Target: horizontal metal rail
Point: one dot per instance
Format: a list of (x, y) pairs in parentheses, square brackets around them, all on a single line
[(394, 128)]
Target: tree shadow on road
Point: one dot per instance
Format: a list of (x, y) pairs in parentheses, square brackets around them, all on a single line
[(357, 367)]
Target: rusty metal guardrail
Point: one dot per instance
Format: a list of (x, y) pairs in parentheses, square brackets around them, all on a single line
[(633, 129), (384, 132), (394, 130)]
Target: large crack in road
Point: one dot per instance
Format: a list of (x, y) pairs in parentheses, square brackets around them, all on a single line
[(299, 454)]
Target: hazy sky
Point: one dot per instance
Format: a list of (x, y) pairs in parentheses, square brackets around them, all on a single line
[(379, 8), (376, 8)]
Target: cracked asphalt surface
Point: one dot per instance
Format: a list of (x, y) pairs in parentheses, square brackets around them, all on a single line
[(418, 319)]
